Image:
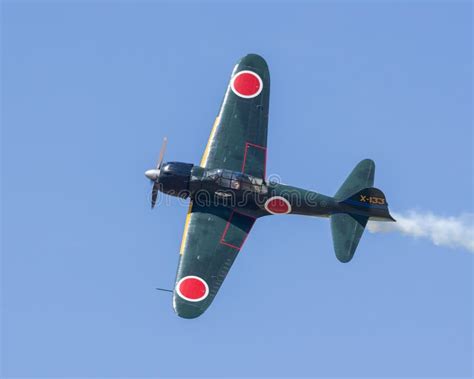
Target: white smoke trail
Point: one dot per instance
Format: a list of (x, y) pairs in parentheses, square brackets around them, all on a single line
[(442, 231)]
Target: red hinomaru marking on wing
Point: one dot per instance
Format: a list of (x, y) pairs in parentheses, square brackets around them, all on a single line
[(192, 288), (246, 84)]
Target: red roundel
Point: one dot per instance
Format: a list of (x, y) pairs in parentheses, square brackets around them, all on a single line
[(192, 288), (278, 205), (246, 84)]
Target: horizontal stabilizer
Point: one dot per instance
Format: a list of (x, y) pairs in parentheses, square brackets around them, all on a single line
[(346, 231), (358, 202), (362, 176)]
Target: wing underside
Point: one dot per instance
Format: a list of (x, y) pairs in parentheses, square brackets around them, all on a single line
[(213, 238), (214, 235), (238, 139)]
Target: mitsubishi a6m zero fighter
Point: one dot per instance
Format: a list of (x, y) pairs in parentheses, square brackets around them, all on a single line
[(228, 192)]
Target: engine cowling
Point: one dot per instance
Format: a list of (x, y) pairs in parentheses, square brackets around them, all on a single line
[(174, 178)]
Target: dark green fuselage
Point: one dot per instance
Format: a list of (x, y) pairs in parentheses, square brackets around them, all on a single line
[(243, 193)]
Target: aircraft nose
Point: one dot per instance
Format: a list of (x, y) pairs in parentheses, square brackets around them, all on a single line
[(152, 174)]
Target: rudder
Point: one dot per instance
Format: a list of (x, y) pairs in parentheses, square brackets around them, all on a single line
[(370, 202)]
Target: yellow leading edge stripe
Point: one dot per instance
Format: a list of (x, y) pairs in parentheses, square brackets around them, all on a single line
[(186, 225), (202, 164), (209, 141)]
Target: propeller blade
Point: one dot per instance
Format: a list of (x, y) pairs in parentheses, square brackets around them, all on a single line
[(154, 194), (154, 174), (162, 152)]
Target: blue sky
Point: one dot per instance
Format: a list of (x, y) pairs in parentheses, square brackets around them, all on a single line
[(90, 88)]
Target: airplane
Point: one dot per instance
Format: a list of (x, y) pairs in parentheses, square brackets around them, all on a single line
[(228, 192)]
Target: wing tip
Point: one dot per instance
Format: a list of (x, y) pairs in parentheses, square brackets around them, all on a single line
[(186, 309), (253, 60)]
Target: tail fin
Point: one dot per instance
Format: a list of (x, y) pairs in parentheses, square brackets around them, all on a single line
[(358, 201), (369, 202)]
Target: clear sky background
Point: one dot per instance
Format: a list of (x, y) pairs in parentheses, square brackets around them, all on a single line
[(90, 88)]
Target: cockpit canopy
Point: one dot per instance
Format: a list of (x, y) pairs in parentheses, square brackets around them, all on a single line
[(236, 180)]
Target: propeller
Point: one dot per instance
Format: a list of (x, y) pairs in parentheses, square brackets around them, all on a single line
[(162, 153), (154, 174), (154, 194)]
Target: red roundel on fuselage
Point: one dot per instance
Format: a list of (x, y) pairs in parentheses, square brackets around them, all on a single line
[(192, 288), (246, 84), (278, 205)]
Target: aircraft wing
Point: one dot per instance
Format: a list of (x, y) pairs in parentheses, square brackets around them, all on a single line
[(238, 139), (213, 236)]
